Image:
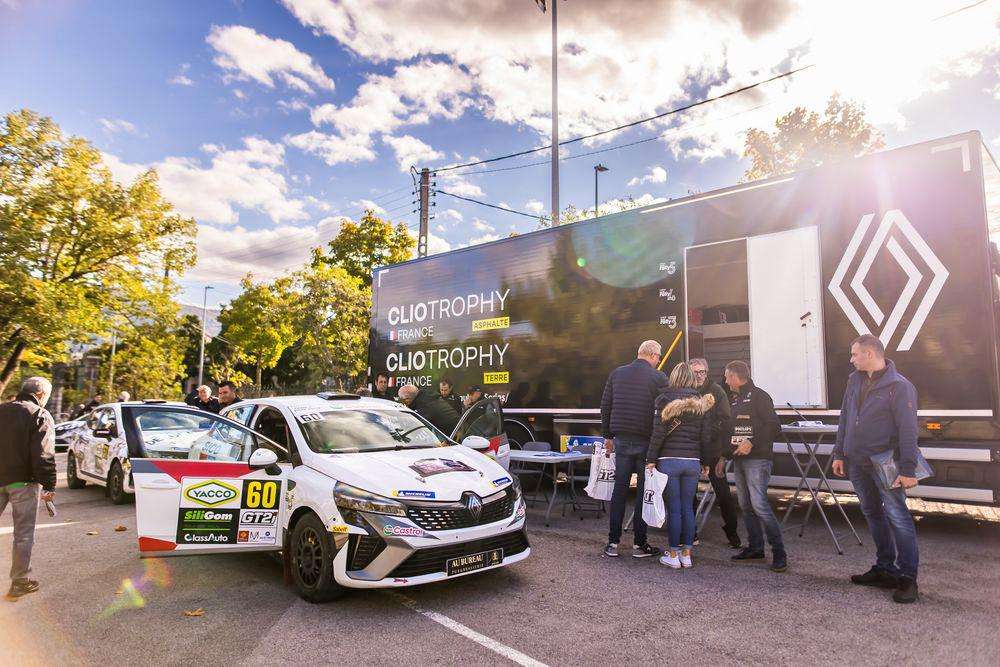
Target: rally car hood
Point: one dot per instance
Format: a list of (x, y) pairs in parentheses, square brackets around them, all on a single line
[(438, 473)]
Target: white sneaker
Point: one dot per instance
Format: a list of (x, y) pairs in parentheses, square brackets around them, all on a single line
[(685, 558), (671, 560)]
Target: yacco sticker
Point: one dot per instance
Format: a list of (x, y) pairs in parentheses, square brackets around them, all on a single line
[(393, 530), (410, 493), (211, 493), (500, 482)]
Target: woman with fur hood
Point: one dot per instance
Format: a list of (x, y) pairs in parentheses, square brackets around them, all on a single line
[(681, 447)]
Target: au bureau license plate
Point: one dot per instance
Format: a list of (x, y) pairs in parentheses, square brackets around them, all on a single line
[(464, 564)]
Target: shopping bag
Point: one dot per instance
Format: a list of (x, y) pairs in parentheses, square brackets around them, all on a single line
[(887, 467), (654, 513), (601, 484)]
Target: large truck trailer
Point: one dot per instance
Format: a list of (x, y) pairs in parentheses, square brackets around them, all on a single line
[(782, 273)]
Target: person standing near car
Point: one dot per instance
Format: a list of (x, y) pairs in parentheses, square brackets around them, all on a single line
[(202, 399), (228, 394), (474, 396), (722, 430), (626, 424), (27, 462), (447, 391), (755, 425), (430, 406), (382, 389), (878, 415), (681, 447)]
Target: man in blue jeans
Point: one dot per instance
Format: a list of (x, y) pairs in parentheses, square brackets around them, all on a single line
[(626, 424), (755, 424), (878, 415)]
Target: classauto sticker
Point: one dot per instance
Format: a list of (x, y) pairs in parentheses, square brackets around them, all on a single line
[(412, 493), (207, 526)]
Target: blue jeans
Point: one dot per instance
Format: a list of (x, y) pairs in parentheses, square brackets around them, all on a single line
[(889, 521), (681, 487), (23, 502), (630, 457), (752, 478)]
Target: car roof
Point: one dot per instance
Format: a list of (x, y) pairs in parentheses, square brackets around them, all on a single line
[(150, 402), (312, 401)]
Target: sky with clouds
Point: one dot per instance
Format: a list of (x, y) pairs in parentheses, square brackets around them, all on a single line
[(270, 121)]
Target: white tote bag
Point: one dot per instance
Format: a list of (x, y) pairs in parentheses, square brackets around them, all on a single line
[(601, 484), (654, 513)]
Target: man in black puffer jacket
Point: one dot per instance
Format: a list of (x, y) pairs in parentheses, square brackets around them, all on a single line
[(626, 408)]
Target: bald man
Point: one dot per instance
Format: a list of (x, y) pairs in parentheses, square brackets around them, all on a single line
[(430, 406)]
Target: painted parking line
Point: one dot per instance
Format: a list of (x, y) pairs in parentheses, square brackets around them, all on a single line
[(502, 649), (7, 530)]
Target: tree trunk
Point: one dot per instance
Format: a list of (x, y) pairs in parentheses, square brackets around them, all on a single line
[(258, 376), (13, 361)]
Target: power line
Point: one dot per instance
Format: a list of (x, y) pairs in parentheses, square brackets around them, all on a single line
[(499, 208), (692, 105)]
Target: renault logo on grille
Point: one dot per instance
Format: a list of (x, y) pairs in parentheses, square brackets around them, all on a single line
[(474, 504)]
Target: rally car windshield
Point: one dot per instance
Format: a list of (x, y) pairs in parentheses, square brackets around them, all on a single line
[(340, 431)]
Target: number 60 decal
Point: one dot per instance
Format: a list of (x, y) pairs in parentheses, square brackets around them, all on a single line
[(260, 494)]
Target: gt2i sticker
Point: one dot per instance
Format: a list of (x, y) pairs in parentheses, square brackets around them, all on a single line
[(260, 494), (207, 526), (258, 518), (408, 493), (428, 467), (211, 492)]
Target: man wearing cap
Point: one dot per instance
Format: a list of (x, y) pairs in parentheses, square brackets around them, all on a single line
[(474, 396)]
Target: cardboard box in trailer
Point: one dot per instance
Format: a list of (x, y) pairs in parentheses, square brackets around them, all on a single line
[(782, 273)]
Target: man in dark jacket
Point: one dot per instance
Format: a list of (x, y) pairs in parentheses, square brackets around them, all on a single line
[(430, 406), (202, 399), (879, 415), (381, 388), (755, 425), (447, 391), (227, 394), (722, 430), (27, 461), (626, 424)]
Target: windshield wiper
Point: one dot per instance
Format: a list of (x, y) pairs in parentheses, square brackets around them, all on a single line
[(399, 435)]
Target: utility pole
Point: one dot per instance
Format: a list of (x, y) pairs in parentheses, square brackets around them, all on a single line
[(111, 365), (201, 353), (555, 115), (425, 201)]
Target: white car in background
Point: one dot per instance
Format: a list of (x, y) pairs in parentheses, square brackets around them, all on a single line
[(356, 492)]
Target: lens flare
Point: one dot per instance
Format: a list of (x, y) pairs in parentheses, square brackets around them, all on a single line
[(132, 593)]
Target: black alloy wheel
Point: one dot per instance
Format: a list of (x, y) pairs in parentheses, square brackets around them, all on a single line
[(72, 480), (312, 553), (116, 484)]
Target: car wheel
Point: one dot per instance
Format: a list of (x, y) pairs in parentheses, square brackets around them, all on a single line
[(312, 552), (72, 481), (116, 485)]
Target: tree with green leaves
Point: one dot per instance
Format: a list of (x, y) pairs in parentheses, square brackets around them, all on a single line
[(259, 322), (361, 246), (80, 254), (803, 139), (149, 363)]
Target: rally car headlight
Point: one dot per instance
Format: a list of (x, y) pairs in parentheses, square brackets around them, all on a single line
[(516, 484), (353, 498)]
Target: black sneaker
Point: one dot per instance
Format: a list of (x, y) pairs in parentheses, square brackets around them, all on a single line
[(644, 551), (780, 561), (748, 554), (734, 541), (611, 550), (20, 588), (906, 592), (876, 577)]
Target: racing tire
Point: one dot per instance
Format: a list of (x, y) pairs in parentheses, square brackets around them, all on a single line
[(116, 485), (312, 552), (72, 481)]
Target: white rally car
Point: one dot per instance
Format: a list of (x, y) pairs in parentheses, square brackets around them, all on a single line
[(98, 447), (356, 492)]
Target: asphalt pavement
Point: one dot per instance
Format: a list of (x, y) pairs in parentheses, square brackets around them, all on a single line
[(565, 605)]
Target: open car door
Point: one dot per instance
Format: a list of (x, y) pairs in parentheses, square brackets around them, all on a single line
[(203, 483), (485, 420)]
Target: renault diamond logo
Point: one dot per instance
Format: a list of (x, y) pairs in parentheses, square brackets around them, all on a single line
[(915, 276), (474, 504)]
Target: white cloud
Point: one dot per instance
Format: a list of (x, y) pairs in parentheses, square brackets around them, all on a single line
[(117, 126), (333, 149), (485, 238), (533, 206), (503, 50), (455, 216), (368, 205), (247, 178), (181, 78), (440, 228), (504, 204), (481, 225), (248, 55), (239, 94), (411, 151), (295, 104), (229, 254), (436, 244), (656, 175), (455, 183)]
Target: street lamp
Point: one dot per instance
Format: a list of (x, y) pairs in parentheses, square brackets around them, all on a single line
[(555, 109), (598, 168), (201, 354)]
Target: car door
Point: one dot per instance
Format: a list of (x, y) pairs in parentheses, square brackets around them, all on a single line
[(103, 446), (485, 420), (214, 499), (92, 441)]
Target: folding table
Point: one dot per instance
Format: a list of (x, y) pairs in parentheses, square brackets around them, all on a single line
[(554, 459)]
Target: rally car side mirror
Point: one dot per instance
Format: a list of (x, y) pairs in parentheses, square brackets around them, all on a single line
[(265, 458), (475, 442)]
